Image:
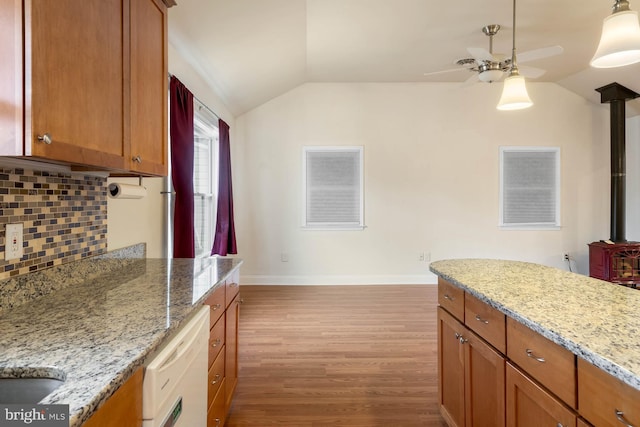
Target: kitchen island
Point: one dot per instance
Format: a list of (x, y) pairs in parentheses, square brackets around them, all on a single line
[(95, 335), (596, 322)]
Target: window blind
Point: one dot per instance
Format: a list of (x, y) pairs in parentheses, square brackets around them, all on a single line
[(333, 187), (530, 187)]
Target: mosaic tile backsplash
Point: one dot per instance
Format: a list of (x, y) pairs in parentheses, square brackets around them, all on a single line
[(64, 216)]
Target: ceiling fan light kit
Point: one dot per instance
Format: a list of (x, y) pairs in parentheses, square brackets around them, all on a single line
[(620, 40)]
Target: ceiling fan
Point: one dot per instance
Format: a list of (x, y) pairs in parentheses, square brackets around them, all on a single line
[(488, 66)]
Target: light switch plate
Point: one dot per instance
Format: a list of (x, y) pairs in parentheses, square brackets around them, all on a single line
[(13, 242)]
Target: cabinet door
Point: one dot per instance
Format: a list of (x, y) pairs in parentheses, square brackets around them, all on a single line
[(124, 408), (148, 143), (11, 77), (529, 405), (450, 369), (75, 72), (484, 383), (231, 358), (604, 399)]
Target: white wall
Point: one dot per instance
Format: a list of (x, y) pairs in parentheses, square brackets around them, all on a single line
[(144, 220), (431, 179)]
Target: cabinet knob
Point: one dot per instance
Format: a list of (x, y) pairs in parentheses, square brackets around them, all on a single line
[(620, 417), (215, 343), (215, 307), (460, 338), (241, 301), (218, 422), (215, 381), (137, 159), (534, 357), (449, 297), (46, 138)]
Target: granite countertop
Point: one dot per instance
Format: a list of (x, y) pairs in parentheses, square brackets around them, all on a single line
[(596, 320), (94, 335)]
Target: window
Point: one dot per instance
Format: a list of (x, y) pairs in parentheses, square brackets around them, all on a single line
[(205, 178), (530, 187), (333, 188)]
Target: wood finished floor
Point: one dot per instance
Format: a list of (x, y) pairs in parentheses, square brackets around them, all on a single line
[(337, 356)]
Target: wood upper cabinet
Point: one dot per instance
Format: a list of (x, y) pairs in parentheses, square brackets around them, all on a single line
[(149, 87), (83, 66), (74, 77), (471, 376)]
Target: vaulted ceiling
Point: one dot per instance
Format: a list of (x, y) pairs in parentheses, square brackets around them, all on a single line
[(251, 51)]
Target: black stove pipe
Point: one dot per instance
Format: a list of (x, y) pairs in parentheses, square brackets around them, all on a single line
[(616, 95)]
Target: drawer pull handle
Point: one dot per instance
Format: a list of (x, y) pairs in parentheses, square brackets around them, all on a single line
[(215, 307), (218, 422), (137, 159), (215, 343), (480, 319), (559, 425), (533, 356), (622, 419), (449, 297), (460, 338), (215, 381)]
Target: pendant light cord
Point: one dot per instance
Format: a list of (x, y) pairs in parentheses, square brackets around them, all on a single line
[(514, 66)]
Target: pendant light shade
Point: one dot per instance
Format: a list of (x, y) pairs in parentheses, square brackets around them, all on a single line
[(620, 40), (514, 94)]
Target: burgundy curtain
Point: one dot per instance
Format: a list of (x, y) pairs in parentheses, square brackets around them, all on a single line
[(224, 241), (181, 126)]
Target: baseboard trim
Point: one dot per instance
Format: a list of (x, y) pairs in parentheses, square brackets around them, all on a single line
[(338, 280)]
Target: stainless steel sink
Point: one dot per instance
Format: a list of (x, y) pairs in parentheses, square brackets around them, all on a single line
[(27, 390)]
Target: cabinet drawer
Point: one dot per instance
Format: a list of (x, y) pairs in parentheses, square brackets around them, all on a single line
[(553, 366), (486, 321), (528, 404), (216, 376), (216, 340), (232, 287), (451, 298), (216, 413), (604, 399), (216, 302)]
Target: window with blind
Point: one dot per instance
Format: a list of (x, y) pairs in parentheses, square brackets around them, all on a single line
[(530, 187), (205, 178), (333, 188)]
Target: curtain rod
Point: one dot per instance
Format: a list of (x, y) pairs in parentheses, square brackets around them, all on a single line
[(197, 100)]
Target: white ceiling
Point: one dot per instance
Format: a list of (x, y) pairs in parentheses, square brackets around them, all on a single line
[(251, 51)]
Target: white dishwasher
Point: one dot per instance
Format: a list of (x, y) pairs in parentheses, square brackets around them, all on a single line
[(174, 389)]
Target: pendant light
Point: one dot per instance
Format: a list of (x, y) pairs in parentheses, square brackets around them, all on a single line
[(514, 93), (620, 40)]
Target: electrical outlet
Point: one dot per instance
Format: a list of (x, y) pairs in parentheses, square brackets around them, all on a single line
[(566, 257), (284, 257), (421, 257), (13, 242)]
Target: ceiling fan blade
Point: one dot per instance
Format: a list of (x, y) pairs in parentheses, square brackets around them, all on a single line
[(480, 54), (545, 52), (531, 72), (471, 80), (450, 70)]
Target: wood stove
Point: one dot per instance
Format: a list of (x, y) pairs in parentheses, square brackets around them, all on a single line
[(616, 260)]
